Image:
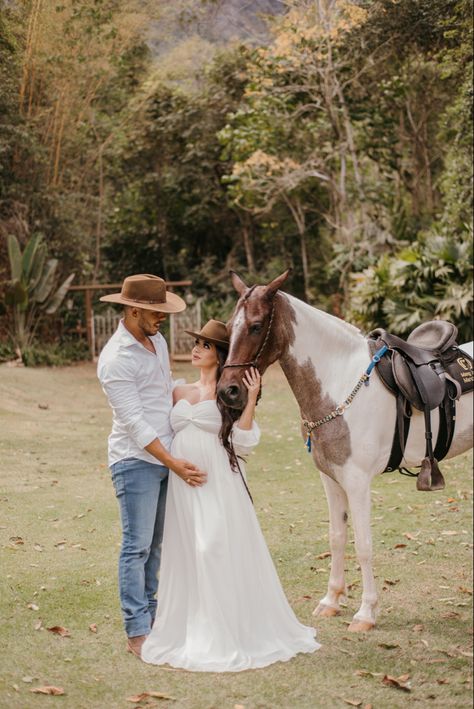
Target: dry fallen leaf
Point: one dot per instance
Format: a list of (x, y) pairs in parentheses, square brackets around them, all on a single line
[(16, 540), (450, 614), (38, 625), (352, 702), (442, 681), (409, 536), (93, 627), (324, 555), (48, 689), (33, 607), (399, 546), (398, 682), (59, 630), (137, 698), (391, 583), (418, 628)]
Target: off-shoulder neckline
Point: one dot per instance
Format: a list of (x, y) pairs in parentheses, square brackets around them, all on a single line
[(204, 401)]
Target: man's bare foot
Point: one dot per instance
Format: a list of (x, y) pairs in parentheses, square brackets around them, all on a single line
[(134, 645)]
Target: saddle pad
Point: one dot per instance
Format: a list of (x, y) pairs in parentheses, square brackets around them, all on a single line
[(462, 370)]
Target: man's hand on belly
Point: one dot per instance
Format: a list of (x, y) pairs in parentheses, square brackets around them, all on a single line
[(188, 472), (183, 468)]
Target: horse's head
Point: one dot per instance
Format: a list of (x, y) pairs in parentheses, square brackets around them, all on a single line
[(253, 337)]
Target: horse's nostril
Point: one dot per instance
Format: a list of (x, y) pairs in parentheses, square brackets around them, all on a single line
[(232, 392)]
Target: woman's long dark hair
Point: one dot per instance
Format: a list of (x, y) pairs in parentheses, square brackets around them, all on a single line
[(229, 416)]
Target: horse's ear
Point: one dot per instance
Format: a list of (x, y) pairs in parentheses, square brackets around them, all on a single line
[(238, 283), (277, 283)]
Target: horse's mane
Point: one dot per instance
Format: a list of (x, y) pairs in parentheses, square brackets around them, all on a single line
[(340, 329)]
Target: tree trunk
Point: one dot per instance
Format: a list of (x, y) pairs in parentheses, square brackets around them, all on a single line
[(247, 234)]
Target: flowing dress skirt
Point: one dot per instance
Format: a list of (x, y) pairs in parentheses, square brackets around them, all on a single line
[(221, 606)]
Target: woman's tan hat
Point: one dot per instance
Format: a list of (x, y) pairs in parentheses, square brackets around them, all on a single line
[(147, 292), (213, 331)]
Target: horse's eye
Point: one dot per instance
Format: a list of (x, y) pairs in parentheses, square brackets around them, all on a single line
[(255, 328)]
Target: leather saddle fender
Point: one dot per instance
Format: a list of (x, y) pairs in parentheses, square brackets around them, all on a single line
[(422, 385)]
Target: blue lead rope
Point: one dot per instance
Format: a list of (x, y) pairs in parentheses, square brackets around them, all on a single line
[(365, 379), (374, 361)]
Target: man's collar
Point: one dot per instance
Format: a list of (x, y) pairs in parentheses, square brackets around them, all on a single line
[(126, 337)]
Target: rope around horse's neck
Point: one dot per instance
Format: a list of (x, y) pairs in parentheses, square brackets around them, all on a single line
[(253, 363), (310, 426)]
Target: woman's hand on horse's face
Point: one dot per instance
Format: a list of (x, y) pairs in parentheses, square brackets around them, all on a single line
[(252, 380)]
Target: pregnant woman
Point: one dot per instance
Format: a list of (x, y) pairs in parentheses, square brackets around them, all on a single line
[(221, 607)]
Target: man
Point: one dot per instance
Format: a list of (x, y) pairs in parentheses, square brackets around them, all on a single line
[(135, 375)]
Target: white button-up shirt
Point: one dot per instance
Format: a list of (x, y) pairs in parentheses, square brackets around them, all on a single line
[(139, 388)]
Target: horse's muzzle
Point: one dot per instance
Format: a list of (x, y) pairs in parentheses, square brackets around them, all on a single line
[(232, 395)]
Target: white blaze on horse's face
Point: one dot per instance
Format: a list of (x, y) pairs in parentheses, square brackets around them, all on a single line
[(250, 331), (249, 326)]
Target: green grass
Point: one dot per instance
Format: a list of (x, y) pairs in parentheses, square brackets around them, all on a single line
[(60, 536)]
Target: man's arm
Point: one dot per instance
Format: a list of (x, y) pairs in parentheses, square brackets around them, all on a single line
[(118, 382), (185, 470)]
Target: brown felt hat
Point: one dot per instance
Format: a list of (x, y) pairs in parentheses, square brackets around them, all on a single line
[(213, 331), (147, 292)]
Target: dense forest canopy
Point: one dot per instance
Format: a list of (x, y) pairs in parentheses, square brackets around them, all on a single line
[(188, 138)]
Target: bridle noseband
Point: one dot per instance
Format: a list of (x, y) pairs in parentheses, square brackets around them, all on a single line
[(253, 363)]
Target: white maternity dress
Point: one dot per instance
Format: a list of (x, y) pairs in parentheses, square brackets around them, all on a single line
[(221, 607)]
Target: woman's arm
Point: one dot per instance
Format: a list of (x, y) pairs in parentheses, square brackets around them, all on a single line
[(251, 380)]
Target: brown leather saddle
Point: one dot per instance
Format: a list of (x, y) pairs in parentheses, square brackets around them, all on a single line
[(419, 373)]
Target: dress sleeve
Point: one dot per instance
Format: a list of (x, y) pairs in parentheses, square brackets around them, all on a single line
[(245, 441)]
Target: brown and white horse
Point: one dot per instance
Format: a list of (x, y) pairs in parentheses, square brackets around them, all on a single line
[(323, 358)]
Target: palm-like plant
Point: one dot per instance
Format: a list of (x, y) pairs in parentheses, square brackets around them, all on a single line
[(32, 291)]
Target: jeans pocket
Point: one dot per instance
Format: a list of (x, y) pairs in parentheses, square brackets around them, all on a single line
[(118, 482)]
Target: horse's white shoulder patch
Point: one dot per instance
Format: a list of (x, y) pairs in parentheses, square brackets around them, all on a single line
[(468, 348)]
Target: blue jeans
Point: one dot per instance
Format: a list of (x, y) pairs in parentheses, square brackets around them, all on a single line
[(140, 488)]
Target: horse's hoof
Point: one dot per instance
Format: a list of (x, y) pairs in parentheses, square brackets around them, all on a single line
[(325, 611), (360, 626)]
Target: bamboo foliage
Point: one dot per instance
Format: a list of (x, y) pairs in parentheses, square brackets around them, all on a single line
[(72, 54)]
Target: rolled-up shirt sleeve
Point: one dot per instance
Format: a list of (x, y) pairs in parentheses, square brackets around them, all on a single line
[(118, 379), (244, 441)]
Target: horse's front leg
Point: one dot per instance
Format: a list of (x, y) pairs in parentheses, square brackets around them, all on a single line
[(337, 503), (358, 493)]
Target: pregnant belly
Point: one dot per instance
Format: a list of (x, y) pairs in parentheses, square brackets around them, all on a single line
[(197, 446)]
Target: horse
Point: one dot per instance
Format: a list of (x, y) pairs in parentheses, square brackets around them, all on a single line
[(322, 358)]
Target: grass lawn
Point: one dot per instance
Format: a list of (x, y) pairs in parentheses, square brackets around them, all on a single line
[(60, 535)]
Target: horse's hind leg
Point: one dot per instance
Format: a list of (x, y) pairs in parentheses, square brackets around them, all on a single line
[(358, 494), (337, 503)]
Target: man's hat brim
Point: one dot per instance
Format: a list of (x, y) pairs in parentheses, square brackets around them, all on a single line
[(173, 304)]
